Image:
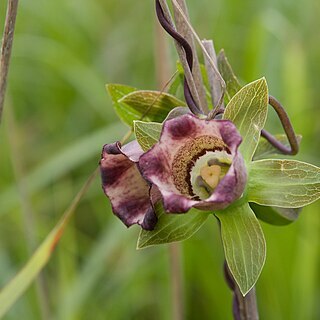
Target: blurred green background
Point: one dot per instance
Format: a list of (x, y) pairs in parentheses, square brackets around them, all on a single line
[(57, 117)]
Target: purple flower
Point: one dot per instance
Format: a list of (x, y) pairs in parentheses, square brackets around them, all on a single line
[(196, 163), (130, 195)]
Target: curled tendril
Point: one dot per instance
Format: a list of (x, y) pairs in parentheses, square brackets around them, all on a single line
[(288, 129), (189, 55)]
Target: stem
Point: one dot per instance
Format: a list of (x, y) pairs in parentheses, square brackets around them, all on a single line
[(244, 308), (6, 48), (191, 29), (288, 129), (181, 52), (176, 281), (183, 29)]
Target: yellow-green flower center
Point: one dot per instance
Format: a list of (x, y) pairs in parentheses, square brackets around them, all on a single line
[(199, 165), (208, 171)]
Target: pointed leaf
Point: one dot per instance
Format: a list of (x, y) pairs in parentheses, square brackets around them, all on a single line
[(147, 133), (283, 183), (265, 149), (248, 111), (172, 227), (151, 105), (232, 83), (275, 215), (124, 112), (244, 244)]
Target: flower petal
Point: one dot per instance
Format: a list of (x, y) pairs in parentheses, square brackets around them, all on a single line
[(124, 185), (183, 137)]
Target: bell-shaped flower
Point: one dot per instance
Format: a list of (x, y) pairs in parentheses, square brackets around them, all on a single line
[(196, 163), (129, 193)]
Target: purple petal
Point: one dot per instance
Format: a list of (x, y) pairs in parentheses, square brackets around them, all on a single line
[(187, 133), (124, 185)]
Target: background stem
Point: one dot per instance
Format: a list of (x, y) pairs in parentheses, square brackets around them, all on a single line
[(162, 75), (6, 48)]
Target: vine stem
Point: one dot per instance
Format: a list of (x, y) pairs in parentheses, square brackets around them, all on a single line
[(244, 307), (6, 48), (183, 29)]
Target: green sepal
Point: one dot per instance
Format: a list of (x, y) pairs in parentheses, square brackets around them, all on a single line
[(248, 110), (244, 244), (283, 183), (172, 227), (275, 215)]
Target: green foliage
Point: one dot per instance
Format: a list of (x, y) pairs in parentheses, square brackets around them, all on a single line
[(244, 244), (125, 113), (132, 104), (283, 183), (172, 227), (248, 111), (95, 269)]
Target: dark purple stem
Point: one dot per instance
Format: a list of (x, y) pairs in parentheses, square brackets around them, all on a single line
[(189, 55), (286, 124), (288, 129), (244, 308)]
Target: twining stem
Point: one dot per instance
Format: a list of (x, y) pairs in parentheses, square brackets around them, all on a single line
[(244, 308), (163, 72), (191, 29), (183, 29), (167, 25), (6, 48), (288, 129)]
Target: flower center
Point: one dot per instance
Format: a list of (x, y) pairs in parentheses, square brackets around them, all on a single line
[(199, 165), (208, 171)]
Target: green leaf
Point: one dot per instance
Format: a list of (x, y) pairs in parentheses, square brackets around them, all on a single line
[(147, 133), (283, 183), (275, 215), (266, 149), (124, 112), (232, 83), (17, 286), (248, 111), (172, 227), (244, 244), (151, 105)]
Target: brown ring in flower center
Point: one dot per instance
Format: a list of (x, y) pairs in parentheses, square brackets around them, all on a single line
[(186, 157)]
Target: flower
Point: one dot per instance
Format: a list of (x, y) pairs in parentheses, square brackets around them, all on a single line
[(130, 195), (196, 163)]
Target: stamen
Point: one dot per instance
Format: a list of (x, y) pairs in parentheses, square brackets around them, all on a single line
[(211, 175)]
